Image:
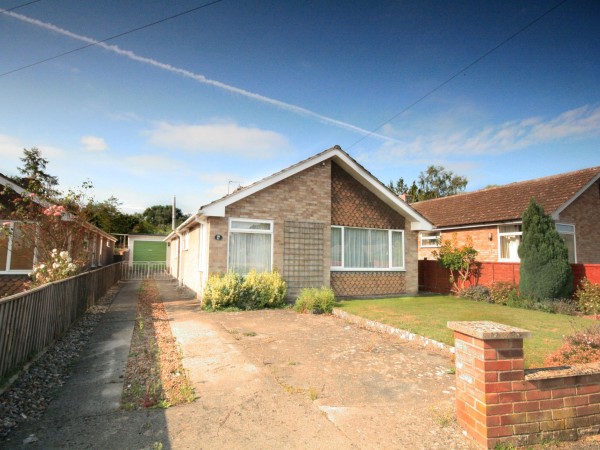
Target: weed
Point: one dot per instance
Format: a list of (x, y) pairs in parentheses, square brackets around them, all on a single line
[(451, 371), (313, 394), (249, 333), (444, 417), (292, 363), (503, 446), (157, 446)]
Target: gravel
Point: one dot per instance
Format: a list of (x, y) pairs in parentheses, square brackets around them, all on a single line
[(31, 392)]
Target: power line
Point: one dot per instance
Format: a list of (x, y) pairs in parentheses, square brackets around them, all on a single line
[(133, 30), (464, 69), (20, 6)]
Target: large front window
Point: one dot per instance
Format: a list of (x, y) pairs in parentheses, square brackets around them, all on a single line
[(366, 249), (250, 245)]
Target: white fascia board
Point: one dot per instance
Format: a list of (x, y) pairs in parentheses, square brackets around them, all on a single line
[(556, 214), (417, 222)]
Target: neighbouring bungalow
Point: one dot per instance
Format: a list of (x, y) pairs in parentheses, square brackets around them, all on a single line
[(492, 217), (18, 255), (325, 221)]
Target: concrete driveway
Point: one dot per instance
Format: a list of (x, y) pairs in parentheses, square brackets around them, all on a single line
[(277, 379)]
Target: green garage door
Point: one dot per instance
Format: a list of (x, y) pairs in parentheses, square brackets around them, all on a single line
[(149, 251)]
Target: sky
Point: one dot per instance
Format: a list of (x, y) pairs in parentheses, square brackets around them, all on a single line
[(498, 91)]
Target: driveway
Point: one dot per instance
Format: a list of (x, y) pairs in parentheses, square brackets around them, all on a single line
[(277, 379)]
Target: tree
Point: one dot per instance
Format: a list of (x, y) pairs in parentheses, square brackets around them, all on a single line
[(160, 217), (34, 176), (544, 271), (434, 182), (458, 258)]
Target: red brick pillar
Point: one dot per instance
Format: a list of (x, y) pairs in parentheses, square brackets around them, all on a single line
[(489, 357)]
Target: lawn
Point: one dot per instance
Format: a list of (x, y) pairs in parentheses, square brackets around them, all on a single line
[(428, 315)]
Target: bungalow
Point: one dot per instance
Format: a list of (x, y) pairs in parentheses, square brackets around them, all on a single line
[(492, 217), (18, 254), (325, 221)]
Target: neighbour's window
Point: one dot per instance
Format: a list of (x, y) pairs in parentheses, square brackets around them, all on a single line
[(509, 238), (250, 245), (186, 240), (567, 233), (366, 249), (17, 247), (430, 239)]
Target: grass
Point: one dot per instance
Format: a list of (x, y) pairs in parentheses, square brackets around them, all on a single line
[(428, 315)]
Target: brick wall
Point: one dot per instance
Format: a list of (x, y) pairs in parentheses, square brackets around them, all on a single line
[(584, 212), (498, 402), (487, 248), (361, 284), (303, 197)]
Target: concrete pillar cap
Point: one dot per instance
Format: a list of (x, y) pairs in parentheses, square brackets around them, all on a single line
[(487, 330)]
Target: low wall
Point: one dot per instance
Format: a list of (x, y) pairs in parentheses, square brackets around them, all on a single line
[(434, 278), (498, 402), (32, 320)]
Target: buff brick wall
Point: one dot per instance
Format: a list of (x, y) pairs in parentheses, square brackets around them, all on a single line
[(303, 197), (499, 402), (355, 206), (584, 213)]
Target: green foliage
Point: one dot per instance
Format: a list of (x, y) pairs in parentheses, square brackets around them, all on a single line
[(457, 258), (256, 290), (545, 270), (34, 176), (578, 348), (503, 293), (315, 301), (434, 182), (588, 297), (476, 293)]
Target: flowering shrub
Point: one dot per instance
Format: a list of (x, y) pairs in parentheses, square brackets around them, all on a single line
[(588, 297), (54, 210), (460, 259), (59, 267), (579, 348)]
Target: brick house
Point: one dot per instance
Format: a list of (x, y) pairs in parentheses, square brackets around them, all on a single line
[(492, 217), (17, 255), (325, 221)]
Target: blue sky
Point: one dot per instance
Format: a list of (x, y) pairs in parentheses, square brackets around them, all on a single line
[(241, 89)]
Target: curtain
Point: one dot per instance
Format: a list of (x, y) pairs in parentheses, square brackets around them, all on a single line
[(249, 251)]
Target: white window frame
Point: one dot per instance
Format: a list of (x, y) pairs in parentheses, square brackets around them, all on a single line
[(4, 270), (186, 240), (270, 231), (390, 268), (509, 233), (570, 233), (432, 237)]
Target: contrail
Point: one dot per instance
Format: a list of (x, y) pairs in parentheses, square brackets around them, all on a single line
[(199, 78)]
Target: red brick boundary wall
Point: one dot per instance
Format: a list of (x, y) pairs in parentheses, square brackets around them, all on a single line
[(434, 278), (497, 401)]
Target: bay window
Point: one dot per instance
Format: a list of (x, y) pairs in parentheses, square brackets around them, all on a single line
[(250, 245), (366, 249)]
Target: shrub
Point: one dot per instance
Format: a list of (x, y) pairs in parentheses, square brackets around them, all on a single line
[(256, 290), (579, 348), (477, 293), (458, 258), (545, 270), (262, 290), (588, 297), (58, 267), (315, 300), (503, 293)]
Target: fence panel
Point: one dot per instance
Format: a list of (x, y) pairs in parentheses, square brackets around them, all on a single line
[(146, 270), (434, 278), (32, 320)]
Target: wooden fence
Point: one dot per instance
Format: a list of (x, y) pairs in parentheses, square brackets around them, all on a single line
[(32, 320), (434, 278)]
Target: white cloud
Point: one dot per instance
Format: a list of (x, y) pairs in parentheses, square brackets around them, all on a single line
[(497, 139), (228, 138), (93, 144)]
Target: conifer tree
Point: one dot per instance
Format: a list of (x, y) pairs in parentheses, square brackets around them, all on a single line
[(545, 272)]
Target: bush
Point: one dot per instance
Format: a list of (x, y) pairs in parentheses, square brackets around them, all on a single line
[(588, 297), (503, 293), (579, 348), (256, 290), (315, 300), (477, 293)]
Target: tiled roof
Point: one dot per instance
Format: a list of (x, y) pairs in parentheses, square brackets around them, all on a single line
[(13, 284), (505, 203)]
